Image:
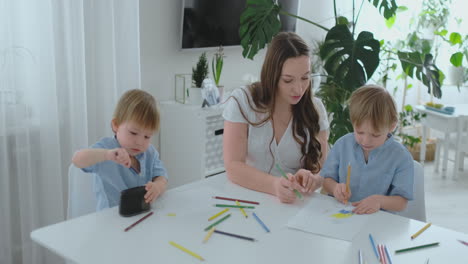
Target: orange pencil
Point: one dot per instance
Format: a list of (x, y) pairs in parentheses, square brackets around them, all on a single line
[(347, 180)]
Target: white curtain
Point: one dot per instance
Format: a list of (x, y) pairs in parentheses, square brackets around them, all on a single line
[(63, 65)]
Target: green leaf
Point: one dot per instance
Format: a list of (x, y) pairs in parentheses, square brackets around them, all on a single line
[(422, 67), (350, 62), (387, 8), (258, 24), (455, 38), (390, 22), (456, 59)]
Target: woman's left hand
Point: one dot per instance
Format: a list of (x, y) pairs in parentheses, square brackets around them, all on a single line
[(306, 181)]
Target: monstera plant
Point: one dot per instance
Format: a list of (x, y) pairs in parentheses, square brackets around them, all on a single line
[(349, 60)]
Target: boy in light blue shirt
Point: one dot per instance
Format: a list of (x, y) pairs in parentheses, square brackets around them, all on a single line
[(127, 159), (381, 168)]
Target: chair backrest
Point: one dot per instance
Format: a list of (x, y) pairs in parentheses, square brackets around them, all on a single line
[(416, 209), (81, 197)]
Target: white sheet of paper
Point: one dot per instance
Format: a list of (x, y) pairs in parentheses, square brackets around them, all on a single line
[(316, 217)]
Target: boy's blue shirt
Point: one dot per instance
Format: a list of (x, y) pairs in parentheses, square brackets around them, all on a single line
[(111, 178), (389, 170)]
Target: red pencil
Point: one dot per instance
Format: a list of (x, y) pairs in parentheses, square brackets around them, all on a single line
[(139, 221), (232, 199)]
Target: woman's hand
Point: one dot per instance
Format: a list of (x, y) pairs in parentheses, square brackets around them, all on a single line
[(284, 190), (120, 156), (368, 205), (340, 193), (305, 181)]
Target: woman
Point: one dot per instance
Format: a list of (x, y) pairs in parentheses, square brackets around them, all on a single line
[(277, 121)]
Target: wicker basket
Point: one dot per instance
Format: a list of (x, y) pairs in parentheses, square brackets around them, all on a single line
[(430, 150)]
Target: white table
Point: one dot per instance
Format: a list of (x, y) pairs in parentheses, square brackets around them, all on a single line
[(446, 124), (99, 237)]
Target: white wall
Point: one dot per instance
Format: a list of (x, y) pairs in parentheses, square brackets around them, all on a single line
[(161, 57)]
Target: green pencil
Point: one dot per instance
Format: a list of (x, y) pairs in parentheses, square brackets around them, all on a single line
[(298, 194), (235, 206), (417, 247), (217, 222)]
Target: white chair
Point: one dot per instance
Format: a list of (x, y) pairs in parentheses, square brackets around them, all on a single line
[(81, 197), (457, 141), (416, 208)]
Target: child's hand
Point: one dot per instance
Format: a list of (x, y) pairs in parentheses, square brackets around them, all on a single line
[(153, 190), (306, 181), (340, 193), (120, 156), (369, 205), (284, 190)]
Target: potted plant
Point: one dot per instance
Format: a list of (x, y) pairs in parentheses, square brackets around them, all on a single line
[(217, 68), (199, 73)]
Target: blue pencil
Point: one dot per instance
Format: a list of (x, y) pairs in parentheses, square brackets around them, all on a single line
[(388, 254), (373, 246), (260, 222)]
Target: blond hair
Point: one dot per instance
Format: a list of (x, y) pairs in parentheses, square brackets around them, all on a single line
[(374, 104), (137, 106)]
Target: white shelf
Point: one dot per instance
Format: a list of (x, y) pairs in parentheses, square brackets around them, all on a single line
[(191, 141)]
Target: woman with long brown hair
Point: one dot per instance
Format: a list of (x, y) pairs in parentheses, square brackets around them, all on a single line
[(277, 121)]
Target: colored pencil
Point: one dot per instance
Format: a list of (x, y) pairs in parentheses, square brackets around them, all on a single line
[(420, 231), (218, 214), (208, 235), (388, 254), (463, 242), (261, 222), (373, 246), (348, 178), (241, 209), (217, 222), (186, 250), (139, 221), (417, 247), (235, 206), (232, 199), (298, 194), (235, 235)]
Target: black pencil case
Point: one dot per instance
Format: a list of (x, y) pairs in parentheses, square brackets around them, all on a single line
[(132, 201)]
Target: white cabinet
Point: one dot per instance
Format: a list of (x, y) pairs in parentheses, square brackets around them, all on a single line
[(191, 142)]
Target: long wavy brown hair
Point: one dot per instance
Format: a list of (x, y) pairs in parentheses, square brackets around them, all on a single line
[(287, 45)]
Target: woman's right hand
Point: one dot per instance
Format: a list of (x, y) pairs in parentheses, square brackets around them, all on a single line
[(120, 156), (340, 193), (284, 190)]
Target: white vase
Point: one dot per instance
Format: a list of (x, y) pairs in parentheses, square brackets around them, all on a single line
[(195, 96), (315, 81), (455, 75)]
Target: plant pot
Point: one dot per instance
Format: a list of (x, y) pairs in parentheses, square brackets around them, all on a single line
[(430, 150), (195, 96)]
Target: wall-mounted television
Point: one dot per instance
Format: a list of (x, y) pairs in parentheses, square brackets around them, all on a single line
[(211, 23)]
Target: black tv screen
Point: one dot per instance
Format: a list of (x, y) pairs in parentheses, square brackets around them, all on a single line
[(211, 23)]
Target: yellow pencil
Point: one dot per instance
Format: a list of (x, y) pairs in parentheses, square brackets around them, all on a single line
[(186, 250), (420, 231), (242, 209), (208, 235), (348, 177), (218, 214)]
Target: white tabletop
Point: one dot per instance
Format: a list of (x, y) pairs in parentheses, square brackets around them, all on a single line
[(100, 237)]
